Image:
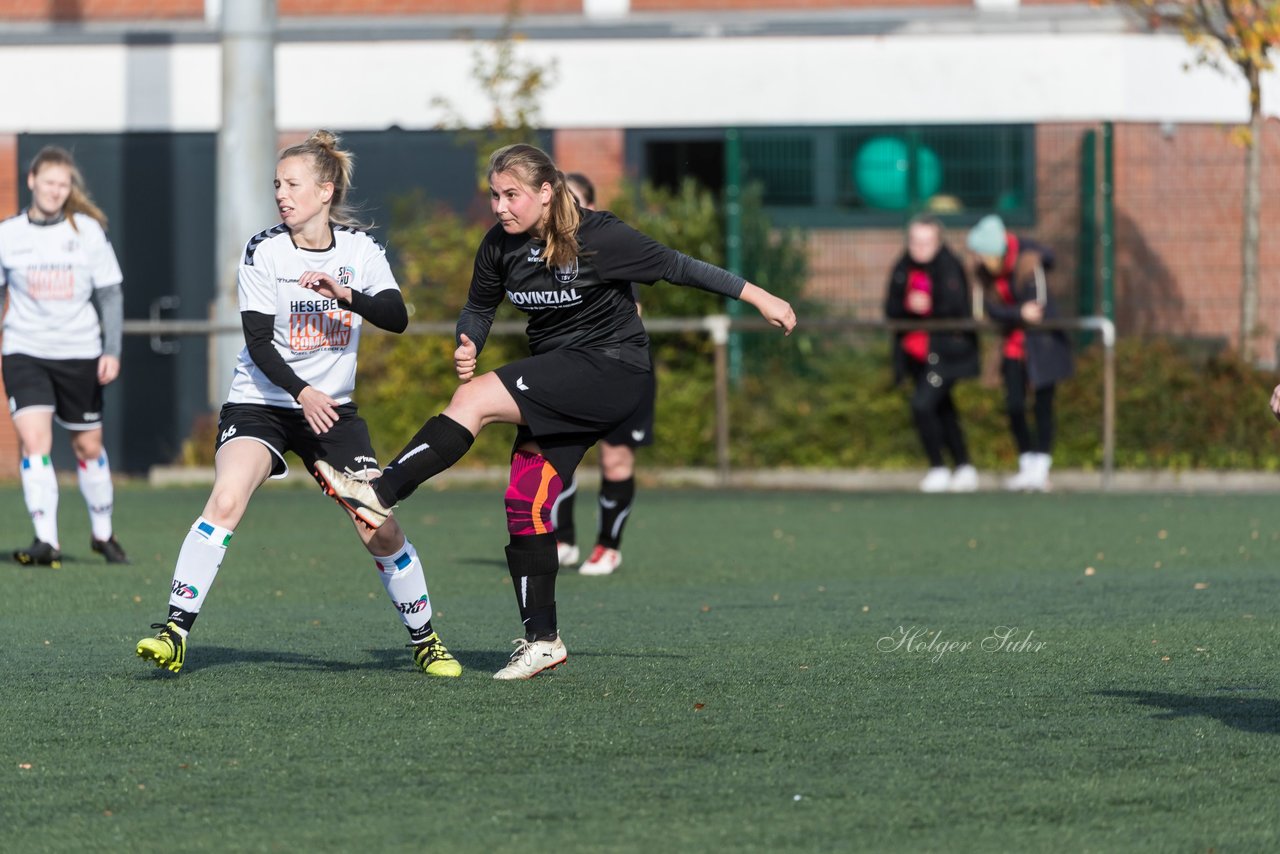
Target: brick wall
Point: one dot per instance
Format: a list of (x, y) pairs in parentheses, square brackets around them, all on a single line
[(307, 8), (81, 10), (765, 5), (598, 154), (85, 10), (1178, 245), (848, 269), (1178, 229), (8, 204)]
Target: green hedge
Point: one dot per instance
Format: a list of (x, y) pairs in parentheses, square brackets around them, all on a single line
[(813, 400), (1172, 413)]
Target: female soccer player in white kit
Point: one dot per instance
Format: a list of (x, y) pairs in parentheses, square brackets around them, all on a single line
[(305, 286), (62, 336)]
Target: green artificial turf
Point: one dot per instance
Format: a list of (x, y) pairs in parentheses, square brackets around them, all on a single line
[(766, 672)]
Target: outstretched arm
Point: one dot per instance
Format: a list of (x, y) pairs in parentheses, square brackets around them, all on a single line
[(774, 309)]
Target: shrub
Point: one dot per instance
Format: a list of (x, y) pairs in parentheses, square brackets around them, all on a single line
[(823, 401)]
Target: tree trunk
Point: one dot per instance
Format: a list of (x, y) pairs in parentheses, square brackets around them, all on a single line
[(1252, 216)]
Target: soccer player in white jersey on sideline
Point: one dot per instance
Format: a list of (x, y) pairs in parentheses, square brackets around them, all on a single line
[(305, 287), (62, 343), (617, 462), (571, 271)]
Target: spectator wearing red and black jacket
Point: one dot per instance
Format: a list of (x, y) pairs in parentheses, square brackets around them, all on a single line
[(1012, 273), (929, 281)]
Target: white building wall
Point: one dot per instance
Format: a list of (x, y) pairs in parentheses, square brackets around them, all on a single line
[(687, 82)]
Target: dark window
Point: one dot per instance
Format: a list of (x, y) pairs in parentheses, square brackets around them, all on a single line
[(668, 163), (858, 176), (783, 164)]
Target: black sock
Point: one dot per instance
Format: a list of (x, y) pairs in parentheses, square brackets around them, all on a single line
[(182, 619), (439, 444), (419, 635), (562, 515), (533, 566), (615, 506)]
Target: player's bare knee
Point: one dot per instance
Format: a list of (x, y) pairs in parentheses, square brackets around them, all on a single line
[(617, 462), (87, 445), (225, 508), (466, 406)]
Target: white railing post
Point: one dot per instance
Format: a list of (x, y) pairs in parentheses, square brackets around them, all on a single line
[(718, 325)]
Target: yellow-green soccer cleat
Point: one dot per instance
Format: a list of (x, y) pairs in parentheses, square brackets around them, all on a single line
[(434, 659), (167, 649)]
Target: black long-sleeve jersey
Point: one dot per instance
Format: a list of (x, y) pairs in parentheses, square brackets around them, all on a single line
[(588, 304)]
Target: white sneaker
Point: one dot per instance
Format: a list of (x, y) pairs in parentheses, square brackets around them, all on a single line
[(1025, 479), (936, 480), (603, 561), (1040, 473), (532, 657), (964, 479), (567, 554)]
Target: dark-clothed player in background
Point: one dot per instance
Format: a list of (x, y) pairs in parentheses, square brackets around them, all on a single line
[(62, 342), (571, 271), (617, 464), (305, 288)]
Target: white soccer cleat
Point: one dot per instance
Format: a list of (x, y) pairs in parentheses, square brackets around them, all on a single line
[(567, 553), (532, 657), (936, 480), (603, 561), (964, 479), (354, 492)]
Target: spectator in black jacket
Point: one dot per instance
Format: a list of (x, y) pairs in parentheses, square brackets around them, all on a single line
[(929, 281), (1011, 271)]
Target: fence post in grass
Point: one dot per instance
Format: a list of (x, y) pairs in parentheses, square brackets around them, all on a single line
[(1108, 401), (1108, 329), (718, 326)]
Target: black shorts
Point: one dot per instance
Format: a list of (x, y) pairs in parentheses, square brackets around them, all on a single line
[(570, 399), (637, 430), (66, 387), (345, 446)]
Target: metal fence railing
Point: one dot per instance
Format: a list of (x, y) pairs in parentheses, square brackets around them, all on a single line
[(720, 327)]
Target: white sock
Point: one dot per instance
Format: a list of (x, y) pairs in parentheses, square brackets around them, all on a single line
[(198, 561), (406, 584), (99, 494), (40, 489)]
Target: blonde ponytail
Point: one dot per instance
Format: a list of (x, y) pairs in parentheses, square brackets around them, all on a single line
[(331, 164)]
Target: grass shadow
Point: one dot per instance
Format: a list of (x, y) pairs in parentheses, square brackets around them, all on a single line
[(67, 557), (391, 658), (1250, 714), (208, 657)]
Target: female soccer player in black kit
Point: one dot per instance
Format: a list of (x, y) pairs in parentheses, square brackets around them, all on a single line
[(571, 271)]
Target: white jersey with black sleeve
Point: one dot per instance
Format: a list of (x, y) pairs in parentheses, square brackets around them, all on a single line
[(51, 271), (317, 337)]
